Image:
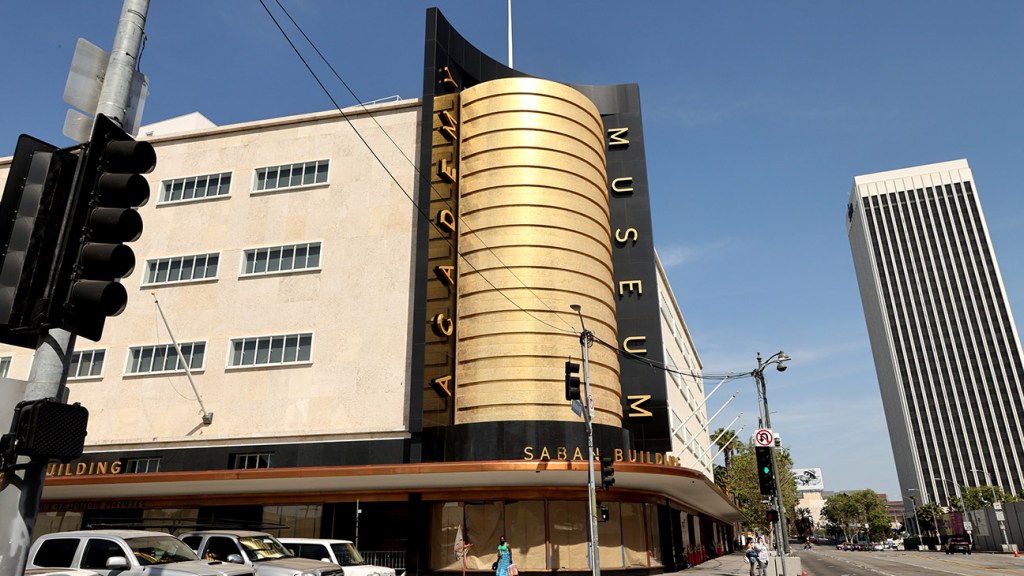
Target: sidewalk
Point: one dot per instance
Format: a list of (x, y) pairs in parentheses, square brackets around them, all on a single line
[(735, 564)]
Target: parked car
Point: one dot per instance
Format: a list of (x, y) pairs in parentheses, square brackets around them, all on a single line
[(124, 553), (257, 550), (961, 545), (58, 572), (878, 547), (341, 552)]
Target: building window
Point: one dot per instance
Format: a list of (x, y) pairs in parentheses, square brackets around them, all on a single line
[(271, 350), (141, 465), (195, 188), (288, 176), (163, 358), (5, 366), (181, 269), (278, 259), (87, 364), (252, 460)]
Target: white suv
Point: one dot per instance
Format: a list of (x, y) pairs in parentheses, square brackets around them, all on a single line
[(124, 553), (341, 552)]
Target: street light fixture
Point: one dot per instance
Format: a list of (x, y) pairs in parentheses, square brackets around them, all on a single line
[(586, 341), (779, 359), (998, 511)]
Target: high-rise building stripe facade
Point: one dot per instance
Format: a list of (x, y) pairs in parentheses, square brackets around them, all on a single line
[(945, 345)]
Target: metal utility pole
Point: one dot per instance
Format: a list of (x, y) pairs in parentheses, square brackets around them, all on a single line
[(20, 496), (779, 359), (586, 341)]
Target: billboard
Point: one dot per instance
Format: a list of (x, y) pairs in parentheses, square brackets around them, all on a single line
[(808, 479)]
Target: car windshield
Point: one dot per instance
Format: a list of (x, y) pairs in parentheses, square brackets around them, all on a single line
[(347, 554), (160, 550), (263, 548)]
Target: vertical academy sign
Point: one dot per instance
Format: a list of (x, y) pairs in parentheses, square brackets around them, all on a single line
[(638, 315)]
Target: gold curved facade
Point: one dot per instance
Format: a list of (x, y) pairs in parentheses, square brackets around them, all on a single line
[(534, 235)]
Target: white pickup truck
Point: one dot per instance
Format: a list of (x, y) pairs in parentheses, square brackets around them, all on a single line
[(125, 553), (341, 552), (257, 550)]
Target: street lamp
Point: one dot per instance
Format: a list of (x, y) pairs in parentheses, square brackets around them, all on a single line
[(999, 513), (586, 341), (779, 359)]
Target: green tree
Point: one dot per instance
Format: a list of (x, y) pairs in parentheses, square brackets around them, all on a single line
[(978, 497), (726, 441), (858, 515), (928, 517), (804, 523)]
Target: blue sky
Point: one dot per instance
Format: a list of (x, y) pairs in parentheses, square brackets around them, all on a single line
[(757, 117)]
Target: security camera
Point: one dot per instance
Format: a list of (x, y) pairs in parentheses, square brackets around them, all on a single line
[(781, 367)]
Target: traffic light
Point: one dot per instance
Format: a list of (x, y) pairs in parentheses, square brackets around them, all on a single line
[(607, 473), (773, 515), (101, 217), (44, 430), (32, 214), (572, 380), (765, 470), (605, 515)]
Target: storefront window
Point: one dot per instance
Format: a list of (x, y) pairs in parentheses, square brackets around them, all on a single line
[(634, 540), (170, 519), (609, 537), (445, 520), (302, 521), (524, 531), (61, 521), (567, 531), (653, 534)]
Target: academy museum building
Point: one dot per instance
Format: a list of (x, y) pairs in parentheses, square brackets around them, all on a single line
[(373, 308)]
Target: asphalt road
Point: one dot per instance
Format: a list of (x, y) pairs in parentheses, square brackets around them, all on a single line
[(822, 561)]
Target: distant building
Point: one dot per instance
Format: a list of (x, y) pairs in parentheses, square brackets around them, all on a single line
[(946, 350)]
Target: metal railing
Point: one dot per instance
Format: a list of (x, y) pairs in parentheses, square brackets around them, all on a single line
[(390, 558)]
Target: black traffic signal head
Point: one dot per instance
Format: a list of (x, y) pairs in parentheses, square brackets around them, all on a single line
[(32, 213), (765, 470), (572, 380), (773, 515), (607, 473), (108, 188), (605, 514)]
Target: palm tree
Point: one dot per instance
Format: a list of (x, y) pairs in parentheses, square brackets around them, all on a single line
[(725, 438)]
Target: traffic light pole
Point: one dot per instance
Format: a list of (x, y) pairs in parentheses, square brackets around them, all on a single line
[(766, 418), (20, 496), (586, 341)]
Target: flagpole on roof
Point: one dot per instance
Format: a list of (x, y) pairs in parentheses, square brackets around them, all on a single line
[(510, 34)]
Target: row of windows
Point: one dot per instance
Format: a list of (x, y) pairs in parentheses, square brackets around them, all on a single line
[(255, 261), (268, 179), (277, 350)]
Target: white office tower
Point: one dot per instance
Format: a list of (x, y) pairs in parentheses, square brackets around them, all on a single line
[(945, 346)]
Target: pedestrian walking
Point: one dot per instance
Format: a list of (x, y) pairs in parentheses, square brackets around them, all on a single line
[(504, 558), (762, 556), (751, 556)]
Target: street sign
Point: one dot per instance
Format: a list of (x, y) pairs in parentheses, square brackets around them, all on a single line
[(590, 405), (577, 407), (764, 437), (968, 526)]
